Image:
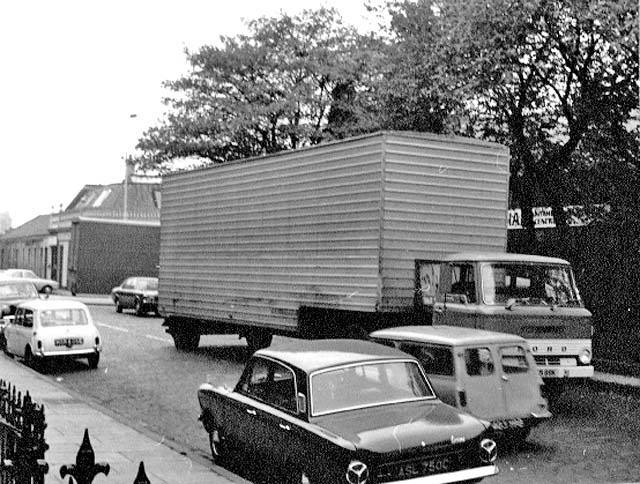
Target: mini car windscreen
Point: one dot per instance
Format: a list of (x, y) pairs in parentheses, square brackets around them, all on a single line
[(63, 317), (18, 289), (366, 385), (148, 284)]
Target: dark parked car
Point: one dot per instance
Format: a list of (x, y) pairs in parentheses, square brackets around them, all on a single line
[(344, 411), (13, 292), (137, 293)]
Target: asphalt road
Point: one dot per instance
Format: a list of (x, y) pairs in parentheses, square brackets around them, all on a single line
[(594, 436)]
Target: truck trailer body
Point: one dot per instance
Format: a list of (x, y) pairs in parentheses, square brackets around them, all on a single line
[(313, 240)]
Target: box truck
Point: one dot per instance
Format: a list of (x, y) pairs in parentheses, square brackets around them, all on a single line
[(337, 240)]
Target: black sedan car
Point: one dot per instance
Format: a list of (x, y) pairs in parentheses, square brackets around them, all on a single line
[(12, 293), (137, 293), (344, 411)]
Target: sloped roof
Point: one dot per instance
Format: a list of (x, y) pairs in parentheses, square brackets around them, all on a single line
[(143, 198), (36, 227)]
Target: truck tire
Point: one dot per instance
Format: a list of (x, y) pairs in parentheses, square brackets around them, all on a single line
[(257, 340), (185, 341)]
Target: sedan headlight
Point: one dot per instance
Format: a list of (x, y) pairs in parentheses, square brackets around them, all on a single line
[(488, 451), (357, 472), (585, 356)]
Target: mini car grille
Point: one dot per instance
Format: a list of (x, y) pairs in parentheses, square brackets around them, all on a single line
[(69, 342), (423, 466), (555, 360)]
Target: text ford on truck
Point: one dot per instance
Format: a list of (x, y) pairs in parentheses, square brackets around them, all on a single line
[(335, 240)]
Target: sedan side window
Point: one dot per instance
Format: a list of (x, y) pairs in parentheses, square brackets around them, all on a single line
[(271, 383)]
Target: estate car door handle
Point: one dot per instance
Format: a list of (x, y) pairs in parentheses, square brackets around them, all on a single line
[(251, 412), (284, 427)]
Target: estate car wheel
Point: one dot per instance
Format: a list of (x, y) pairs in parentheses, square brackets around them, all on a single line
[(93, 360), (118, 306)]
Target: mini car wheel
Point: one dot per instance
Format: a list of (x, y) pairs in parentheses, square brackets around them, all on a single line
[(118, 306), (30, 359), (138, 307), (93, 360)]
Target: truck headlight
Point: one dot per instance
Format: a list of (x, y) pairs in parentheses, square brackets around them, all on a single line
[(585, 356), (357, 472)]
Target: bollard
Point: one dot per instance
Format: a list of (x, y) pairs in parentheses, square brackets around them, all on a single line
[(85, 469)]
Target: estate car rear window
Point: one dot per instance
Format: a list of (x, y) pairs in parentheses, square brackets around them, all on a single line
[(366, 385), (63, 317)]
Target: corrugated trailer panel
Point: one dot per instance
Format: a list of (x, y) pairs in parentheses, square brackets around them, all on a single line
[(252, 241), (441, 195)]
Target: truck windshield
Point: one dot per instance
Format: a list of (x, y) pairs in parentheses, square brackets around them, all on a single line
[(536, 284)]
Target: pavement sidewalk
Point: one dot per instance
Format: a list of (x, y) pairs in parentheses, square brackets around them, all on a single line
[(122, 447)]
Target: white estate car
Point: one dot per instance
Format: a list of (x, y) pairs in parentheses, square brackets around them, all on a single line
[(46, 329)]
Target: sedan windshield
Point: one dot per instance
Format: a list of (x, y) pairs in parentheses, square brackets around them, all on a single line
[(63, 317), (367, 384), (539, 284)]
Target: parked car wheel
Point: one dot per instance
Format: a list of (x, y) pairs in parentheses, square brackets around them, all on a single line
[(138, 307), (47, 290), (30, 359), (93, 360), (118, 306)]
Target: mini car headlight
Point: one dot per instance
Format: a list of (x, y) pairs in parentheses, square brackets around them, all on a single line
[(489, 451), (357, 472), (585, 356)]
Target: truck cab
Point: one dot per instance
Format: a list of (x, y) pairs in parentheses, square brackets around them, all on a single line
[(532, 296)]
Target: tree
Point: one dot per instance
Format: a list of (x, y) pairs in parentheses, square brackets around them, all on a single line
[(291, 82), (537, 75)]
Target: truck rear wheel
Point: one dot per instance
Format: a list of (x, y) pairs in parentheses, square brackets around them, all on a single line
[(184, 341), (257, 340)]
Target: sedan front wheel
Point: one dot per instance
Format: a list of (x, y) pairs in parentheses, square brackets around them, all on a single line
[(118, 306)]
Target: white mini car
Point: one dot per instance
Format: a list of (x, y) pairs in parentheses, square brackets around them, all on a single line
[(46, 329)]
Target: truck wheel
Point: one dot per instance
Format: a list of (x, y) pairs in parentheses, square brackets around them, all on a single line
[(184, 341), (257, 340)]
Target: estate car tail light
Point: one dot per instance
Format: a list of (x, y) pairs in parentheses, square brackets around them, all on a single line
[(39, 344), (357, 472), (97, 340)]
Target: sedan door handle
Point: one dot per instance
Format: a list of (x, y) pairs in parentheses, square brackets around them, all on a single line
[(284, 427), (251, 412), (505, 377)]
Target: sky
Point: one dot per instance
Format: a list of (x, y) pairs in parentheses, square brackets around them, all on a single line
[(75, 71)]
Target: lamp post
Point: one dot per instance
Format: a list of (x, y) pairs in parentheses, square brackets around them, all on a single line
[(127, 173)]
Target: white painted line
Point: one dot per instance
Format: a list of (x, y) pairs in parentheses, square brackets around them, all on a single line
[(117, 328), (158, 338)]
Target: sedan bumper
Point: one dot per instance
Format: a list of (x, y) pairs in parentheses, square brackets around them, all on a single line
[(457, 476)]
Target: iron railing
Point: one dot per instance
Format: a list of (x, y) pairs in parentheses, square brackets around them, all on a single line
[(23, 446), (22, 443)]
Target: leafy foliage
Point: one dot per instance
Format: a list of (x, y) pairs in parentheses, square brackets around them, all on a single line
[(289, 83), (540, 76)]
